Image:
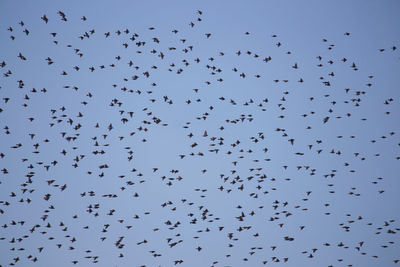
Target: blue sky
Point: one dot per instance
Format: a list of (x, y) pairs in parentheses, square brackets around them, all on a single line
[(159, 148)]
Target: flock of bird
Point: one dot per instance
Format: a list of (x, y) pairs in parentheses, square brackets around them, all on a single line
[(143, 148)]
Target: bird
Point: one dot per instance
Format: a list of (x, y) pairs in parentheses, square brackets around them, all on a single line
[(45, 19)]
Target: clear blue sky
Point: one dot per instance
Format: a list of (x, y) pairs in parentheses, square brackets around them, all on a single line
[(132, 137)]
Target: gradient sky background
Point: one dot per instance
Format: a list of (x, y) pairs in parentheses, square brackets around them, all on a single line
[(355, 189)]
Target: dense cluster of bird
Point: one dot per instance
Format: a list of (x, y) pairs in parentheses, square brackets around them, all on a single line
[(129, 148)]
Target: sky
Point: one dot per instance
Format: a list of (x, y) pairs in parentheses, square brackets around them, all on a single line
[(199, 133)]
